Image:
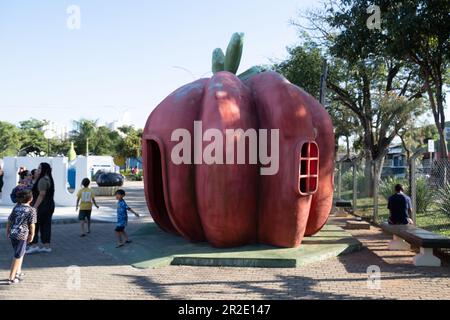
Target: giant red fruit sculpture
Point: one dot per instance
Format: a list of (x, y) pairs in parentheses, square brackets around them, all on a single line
[(227, 201)]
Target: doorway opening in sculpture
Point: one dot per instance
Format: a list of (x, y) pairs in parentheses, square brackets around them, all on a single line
[(155, 173)]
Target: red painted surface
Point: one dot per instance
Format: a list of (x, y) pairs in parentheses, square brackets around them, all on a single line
[(233, 205)]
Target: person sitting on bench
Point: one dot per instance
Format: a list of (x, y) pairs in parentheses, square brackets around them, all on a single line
[(400, 207)]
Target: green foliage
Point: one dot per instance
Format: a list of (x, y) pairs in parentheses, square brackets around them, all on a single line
[(443, 199), (414, 37), (130, 146), (424, 195), (32, 123), (59, 147), (132, 177), (415, 135), (387, 185), (303, 67), (33, 137), (101, 140), (347, 180), (85, 135), (10, 139)]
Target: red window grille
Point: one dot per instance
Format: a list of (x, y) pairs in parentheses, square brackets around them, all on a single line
[(309, 169)]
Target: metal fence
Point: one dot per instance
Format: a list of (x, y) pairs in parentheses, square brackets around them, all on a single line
[(427, 182)]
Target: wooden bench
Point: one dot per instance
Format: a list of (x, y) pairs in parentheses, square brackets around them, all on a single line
[(343, 207), (406, 235)]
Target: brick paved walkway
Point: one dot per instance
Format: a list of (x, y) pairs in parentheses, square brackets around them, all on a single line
[(102, 277)]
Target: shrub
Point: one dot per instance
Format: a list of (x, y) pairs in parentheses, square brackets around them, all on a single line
[(424, 195), (443, 199), (136, 177), (386, 188), (347, 180)]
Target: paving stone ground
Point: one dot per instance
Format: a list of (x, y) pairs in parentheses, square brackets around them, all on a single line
[(51, 276)]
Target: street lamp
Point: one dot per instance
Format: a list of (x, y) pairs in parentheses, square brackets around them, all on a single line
[(49, 134)]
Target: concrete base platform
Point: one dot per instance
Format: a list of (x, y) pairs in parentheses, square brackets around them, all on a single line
[(426, 258), (153, 248)]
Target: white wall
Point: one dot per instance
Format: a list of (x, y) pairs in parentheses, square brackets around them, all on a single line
[(59, 166)]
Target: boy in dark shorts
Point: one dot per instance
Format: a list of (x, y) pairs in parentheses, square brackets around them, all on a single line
[(20, 230), (122, 218), (85, 199)]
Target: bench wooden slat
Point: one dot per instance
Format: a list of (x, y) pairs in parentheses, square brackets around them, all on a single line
[(417, 236)]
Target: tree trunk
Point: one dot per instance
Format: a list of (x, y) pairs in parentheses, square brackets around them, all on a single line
[(437, 107), (372, 171), (368, 173), (348, 146), (377, 169), (442, 144)]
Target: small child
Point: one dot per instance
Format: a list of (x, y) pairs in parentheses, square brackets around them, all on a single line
[(20, 230), (122, 218), (85, 199)]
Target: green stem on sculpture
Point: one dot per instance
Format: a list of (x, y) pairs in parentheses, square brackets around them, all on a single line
[(218, 61), (231, 60), (234, 53), (253, 71)]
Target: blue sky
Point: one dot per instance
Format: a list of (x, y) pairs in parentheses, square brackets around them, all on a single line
[(127, 55)]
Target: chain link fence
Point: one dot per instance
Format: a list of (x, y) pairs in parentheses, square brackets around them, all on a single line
[(427, 182)]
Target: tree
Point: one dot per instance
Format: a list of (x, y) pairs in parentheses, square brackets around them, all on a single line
[(131, 144), (32, 137), (379, 89), (32, 123), (345, 125), (415, 32), (59, 147), (10, 138), (415, 136), (100, 139), (84, 134), (106, 141), (303, 67)]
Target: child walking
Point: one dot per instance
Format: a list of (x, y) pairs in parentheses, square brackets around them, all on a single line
[(85, 199), (20, 230), (122, 218)]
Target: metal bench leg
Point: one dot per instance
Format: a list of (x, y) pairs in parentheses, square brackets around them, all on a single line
[(398, 244), (426, 258)]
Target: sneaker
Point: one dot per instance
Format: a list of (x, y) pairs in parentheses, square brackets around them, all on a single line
[(20, 276), (31, 250), (15, 281), (45, 250)]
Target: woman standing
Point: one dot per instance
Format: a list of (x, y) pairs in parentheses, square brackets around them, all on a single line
[(43, 193)]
